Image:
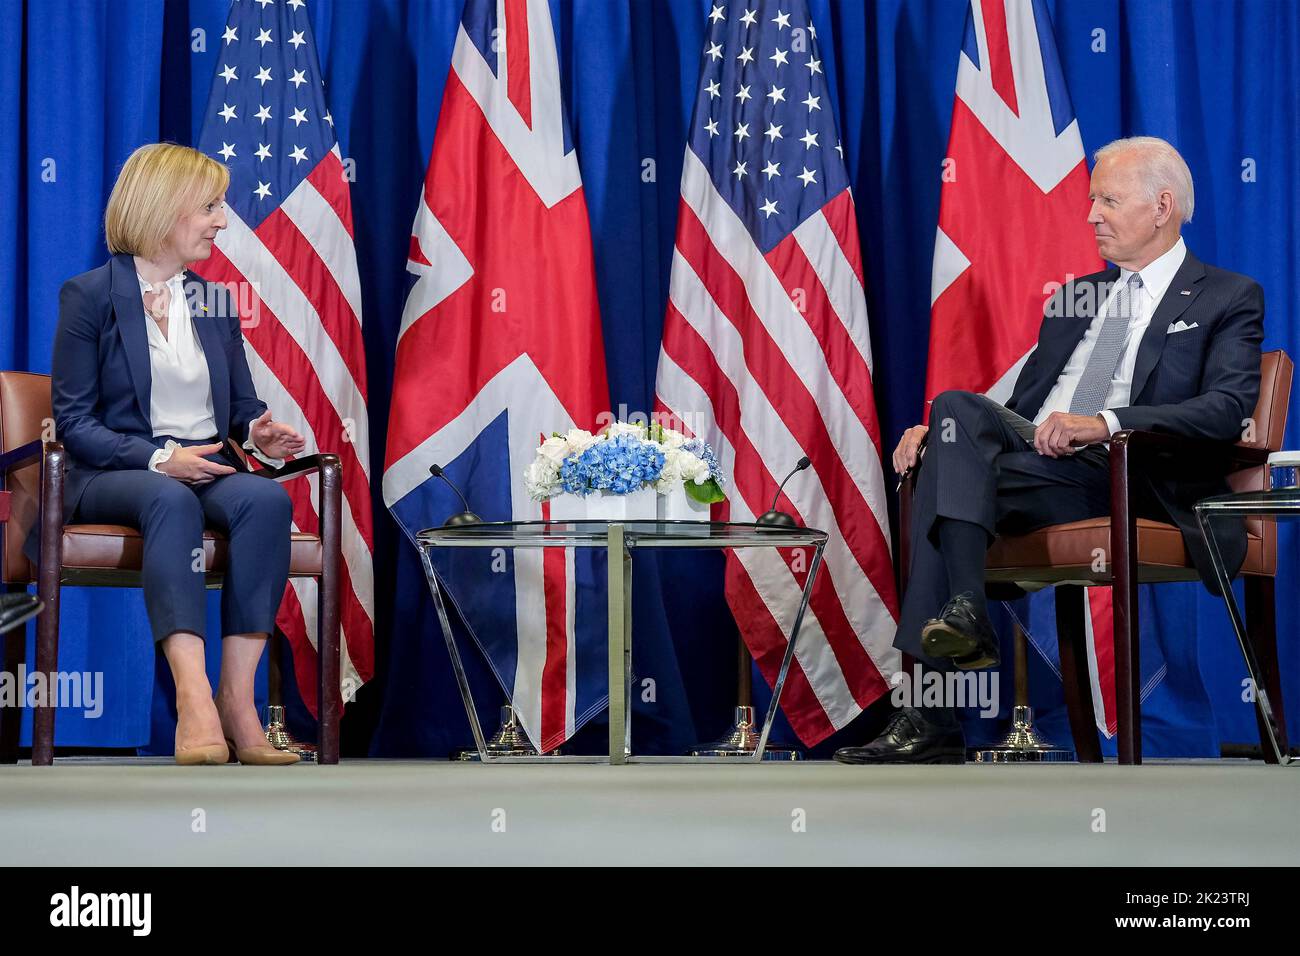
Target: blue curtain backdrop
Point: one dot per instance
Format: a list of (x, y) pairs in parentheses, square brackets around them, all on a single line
[(83, 82)]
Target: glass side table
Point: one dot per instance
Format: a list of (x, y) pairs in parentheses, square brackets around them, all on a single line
[(620, 539), (1278, 504)]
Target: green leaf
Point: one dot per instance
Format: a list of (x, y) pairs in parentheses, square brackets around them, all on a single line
[(707, 493)]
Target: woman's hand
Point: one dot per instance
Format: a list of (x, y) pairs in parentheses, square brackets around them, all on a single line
[(187, 464), (275, 439)]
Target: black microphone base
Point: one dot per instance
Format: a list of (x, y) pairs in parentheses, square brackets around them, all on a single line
[(776, 519), (462, 519)]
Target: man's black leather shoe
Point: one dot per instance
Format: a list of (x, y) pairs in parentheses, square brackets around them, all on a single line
[(963, 634), (909, 738), (16, 609)]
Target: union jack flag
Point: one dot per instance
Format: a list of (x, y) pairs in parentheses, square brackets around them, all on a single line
[(500, 344), (288, 249), (1012, 221), (766, 354)]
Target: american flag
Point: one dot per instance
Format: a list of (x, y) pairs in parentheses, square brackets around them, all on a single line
[(1012, 221), (288, 250), (766, 354), (500, 344)]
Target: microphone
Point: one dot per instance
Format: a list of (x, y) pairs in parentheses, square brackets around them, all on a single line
[(466, 516), (780, 519)]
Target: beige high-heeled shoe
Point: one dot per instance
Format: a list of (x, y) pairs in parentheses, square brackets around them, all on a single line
[(208, 754), (265, 756)]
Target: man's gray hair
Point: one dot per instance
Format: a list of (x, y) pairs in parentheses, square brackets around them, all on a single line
[(1162, 168)]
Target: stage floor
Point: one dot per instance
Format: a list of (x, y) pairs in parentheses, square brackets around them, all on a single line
[(122, 811)]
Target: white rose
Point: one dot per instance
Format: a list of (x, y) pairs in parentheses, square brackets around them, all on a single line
[(554, 449), (579, 440), (672, 439), (693, 469), (627, 428)]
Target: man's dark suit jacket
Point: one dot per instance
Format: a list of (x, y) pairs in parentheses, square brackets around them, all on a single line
[(1202, 383), (102, 379)]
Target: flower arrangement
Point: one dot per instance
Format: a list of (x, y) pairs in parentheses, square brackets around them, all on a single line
[(623, 458)]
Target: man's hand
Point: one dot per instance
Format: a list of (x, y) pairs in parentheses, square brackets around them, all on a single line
[(275, 439), (1063, 433), (187, 464), (909, 448)]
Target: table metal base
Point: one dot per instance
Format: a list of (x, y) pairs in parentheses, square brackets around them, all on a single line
[(619, 544)]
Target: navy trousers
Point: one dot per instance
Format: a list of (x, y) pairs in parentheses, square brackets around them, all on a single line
[(978, 467), (254, 513)]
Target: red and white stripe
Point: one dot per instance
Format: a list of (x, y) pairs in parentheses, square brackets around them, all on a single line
[(299, 293), (768, 358)]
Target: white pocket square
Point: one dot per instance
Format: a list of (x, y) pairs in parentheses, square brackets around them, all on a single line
[(1180, 326)]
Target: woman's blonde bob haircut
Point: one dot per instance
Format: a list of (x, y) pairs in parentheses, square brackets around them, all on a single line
[(158, 184)]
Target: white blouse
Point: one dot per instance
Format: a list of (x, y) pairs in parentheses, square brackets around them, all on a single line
[(180, 398)]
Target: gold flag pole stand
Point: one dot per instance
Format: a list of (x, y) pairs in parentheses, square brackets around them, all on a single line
[(277, 732), (742, 739), (1023, 744), (509, 741)]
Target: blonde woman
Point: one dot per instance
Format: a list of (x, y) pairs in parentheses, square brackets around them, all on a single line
[(149, 382)]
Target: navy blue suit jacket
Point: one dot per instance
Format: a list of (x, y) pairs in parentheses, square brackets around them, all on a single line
[(1202, 382), (102, 379)]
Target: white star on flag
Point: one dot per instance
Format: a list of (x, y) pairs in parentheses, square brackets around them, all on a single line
[(263, 189)]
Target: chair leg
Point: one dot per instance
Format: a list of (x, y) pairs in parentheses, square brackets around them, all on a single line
[(1071, 640), (15, 656), (47, 663), (328, 704), (1261, 625), (1128, 673)]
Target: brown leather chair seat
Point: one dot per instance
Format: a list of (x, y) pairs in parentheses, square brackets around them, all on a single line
[(115, 552), (1067, 552)]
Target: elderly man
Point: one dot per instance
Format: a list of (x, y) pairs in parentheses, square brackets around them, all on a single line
[(1161, 342)]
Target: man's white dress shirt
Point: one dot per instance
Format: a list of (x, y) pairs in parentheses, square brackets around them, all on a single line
[(1156, 278)]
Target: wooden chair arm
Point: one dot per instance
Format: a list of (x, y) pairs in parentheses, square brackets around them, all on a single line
[(1192, 457)]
